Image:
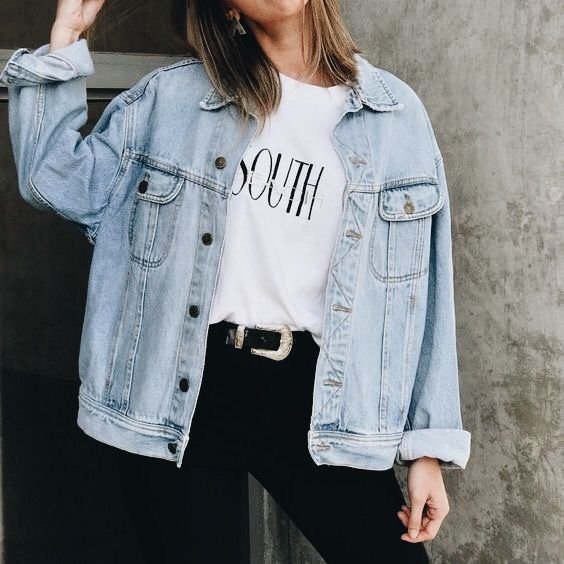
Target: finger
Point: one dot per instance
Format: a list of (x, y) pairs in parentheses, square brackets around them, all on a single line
[(403, 518), (415, 515), (427, 513), (405, 511), (432, 527), (426, 533), (424, 520), (421, 537)]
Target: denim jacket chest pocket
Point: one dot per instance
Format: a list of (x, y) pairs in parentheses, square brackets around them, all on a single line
[(401, 232), (153, 216)]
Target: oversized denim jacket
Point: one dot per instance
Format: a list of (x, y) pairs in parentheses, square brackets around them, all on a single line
[(386, 383)]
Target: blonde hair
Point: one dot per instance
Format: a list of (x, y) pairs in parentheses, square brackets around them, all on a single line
[(239, 68)]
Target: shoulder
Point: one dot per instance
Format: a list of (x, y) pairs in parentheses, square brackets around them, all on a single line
[(384, 84), (187, 70), (413, 113), (398, 88)]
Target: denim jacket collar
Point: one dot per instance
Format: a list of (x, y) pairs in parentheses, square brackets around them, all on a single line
[(371, 90)]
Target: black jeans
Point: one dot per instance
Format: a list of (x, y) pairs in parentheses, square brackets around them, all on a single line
[(252, 415)]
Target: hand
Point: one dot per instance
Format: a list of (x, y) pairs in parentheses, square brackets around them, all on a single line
[(73, 18), (429, 502), (77, 15)]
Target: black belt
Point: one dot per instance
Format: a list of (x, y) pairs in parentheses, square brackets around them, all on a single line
[(272, 341)]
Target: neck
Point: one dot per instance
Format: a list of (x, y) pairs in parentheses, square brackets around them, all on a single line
[(281, 40)]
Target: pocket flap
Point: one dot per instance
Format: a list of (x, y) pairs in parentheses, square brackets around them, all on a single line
[(411, 201), (160, 187)]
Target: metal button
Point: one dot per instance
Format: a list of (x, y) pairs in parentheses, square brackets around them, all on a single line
[(142, 186), (352, 233), (207, 238), (183, 384), (194, 310), (408, 207), (172, 447), (220, 162), (357, 160)]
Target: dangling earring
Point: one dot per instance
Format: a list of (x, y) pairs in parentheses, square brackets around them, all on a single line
[(235, 24)]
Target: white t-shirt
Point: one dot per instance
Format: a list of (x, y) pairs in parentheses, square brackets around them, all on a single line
[(283, 215)]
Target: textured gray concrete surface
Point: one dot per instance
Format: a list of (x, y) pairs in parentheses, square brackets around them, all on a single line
[(490, 73)]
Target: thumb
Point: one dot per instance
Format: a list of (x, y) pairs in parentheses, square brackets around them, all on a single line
[(415, 515)]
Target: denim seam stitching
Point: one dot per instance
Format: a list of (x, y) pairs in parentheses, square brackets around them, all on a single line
[(121, 167), (67, 61), (135, 424)]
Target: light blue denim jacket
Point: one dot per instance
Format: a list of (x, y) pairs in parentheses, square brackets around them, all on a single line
[(386, 383)]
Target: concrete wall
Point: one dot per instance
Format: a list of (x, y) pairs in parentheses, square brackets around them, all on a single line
[(490, 73)]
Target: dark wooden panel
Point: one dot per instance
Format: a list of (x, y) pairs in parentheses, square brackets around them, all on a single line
[(144, 26), (44, 272)]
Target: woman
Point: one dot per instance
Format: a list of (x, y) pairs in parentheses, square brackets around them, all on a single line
[(323, 349)]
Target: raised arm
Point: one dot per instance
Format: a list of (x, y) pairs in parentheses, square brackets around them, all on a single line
[(59, 169)]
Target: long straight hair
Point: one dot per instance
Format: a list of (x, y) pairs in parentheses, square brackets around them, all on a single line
[(239, 68)]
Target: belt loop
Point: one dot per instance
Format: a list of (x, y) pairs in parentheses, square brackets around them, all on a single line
[(239, 336)]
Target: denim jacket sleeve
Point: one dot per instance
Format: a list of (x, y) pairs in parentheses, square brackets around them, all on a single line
[(434, 424), (58, 169)]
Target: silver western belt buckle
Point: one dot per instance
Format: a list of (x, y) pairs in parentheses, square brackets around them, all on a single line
[(286, 340)]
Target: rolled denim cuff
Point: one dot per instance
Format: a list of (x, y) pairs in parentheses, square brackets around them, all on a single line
[(450, 446), (27, 68)]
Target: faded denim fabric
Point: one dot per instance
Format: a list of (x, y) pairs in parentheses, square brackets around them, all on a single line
[(386, 383)]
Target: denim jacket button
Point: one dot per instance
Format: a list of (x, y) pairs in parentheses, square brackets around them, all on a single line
[(183, 384), (194, 310), (207, 238), (172, 447), (408, 207), (143, 186), (220, 162)]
